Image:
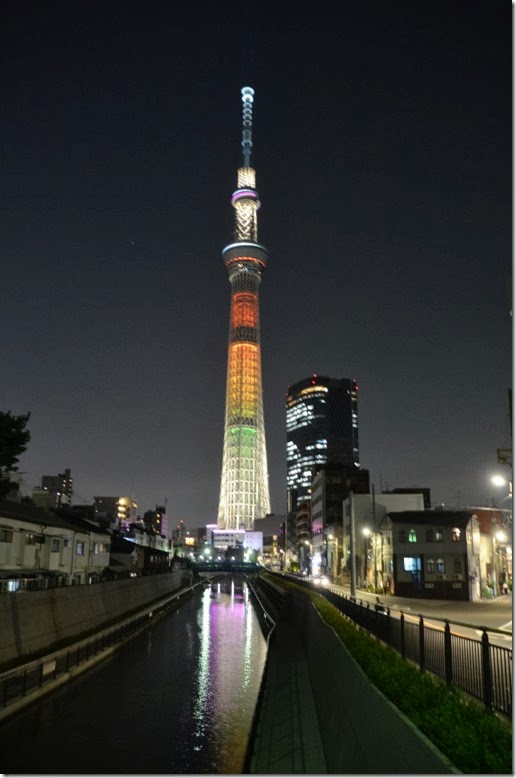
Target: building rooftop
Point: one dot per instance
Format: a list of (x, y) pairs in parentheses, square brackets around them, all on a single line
[(441, 518)]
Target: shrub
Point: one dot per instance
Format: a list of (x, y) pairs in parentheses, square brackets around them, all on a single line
[(477, 741)]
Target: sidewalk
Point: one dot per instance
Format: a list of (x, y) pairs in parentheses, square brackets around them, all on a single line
[(287, 739), (421, 604), (343, 710)]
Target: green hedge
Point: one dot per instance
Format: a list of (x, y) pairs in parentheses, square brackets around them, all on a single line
[(476, 741)]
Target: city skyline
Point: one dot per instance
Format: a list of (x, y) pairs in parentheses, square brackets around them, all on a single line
[(384, 152)]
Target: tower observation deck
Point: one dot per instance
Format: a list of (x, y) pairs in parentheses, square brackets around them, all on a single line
[(244, 488)]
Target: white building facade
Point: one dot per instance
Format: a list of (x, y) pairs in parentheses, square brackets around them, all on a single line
[(40, 550), (362, 517)]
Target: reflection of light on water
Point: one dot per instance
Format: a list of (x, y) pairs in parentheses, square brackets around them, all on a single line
[(248, 636), (203, 673), (189, 645), (232, 654)]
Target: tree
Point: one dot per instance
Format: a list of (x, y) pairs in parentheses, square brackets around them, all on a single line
[(13, 441)]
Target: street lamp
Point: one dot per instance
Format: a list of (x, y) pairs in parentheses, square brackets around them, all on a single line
[(499, 481)]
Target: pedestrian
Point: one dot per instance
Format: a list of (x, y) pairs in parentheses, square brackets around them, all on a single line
[(505, 587)]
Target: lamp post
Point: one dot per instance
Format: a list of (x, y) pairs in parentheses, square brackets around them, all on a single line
[(333, 555), (352, 545), (366, 533), (501, 537), (375, 568)]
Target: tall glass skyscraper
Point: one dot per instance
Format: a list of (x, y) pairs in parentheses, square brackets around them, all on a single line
[(244, 488), (322, 428)]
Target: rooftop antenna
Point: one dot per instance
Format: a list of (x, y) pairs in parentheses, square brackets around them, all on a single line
[(247, 123)]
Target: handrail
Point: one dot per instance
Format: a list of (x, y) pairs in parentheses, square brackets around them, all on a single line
[(264, 609), (420, 615)]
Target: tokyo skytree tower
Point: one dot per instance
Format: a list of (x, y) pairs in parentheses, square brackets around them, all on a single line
[(244, 488)]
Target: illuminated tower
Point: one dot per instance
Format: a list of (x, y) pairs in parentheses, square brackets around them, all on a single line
[(244, 488)]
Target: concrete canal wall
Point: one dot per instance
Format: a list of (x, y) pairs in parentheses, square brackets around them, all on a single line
[(36, 621)]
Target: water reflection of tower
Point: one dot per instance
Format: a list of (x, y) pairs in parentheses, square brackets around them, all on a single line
[(244, 489)]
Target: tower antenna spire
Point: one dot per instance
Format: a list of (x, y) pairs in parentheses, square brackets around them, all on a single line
[(247, 123), (244, 483)]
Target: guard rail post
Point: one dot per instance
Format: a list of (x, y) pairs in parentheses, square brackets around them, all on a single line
[(448, 669), (422, 644), (486, 670)]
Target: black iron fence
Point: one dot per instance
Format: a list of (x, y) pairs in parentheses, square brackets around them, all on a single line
[(476, 667)]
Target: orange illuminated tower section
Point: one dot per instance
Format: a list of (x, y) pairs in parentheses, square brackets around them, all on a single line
[(244, 488)]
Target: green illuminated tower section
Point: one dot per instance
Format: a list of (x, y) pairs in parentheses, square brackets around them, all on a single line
[(244, 488)]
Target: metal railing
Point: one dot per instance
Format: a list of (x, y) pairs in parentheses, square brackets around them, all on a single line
[(22, 682), (267, 622), (477, 667)]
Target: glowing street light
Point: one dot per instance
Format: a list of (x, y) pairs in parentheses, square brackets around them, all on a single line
[(499, 480)]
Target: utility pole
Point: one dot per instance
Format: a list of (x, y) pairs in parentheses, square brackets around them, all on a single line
[(352, 545)]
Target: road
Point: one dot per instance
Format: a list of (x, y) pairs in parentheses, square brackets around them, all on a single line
[(494, 614)]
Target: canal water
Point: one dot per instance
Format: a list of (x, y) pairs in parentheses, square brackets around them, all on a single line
[(178, 698)]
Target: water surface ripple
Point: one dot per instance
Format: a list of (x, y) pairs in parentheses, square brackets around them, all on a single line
[(177, 699)]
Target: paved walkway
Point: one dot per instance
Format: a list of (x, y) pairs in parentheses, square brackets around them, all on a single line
[(287, 737)]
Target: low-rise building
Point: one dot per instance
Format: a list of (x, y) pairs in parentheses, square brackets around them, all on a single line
[(447, 554), (273, 529), (362, 517), (495, 526), (433, 554), (41, 549)]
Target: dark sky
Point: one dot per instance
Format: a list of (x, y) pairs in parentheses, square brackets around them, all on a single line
[(383, 152)]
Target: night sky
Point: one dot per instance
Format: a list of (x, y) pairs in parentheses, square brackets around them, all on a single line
[(383, 153)]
